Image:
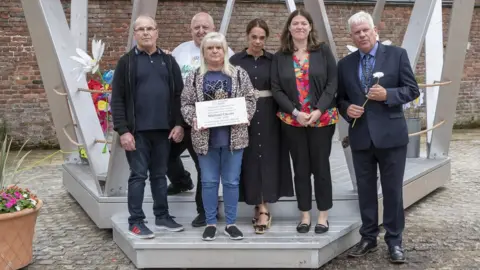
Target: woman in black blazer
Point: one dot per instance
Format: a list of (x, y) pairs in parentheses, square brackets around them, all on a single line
[(304, 84)]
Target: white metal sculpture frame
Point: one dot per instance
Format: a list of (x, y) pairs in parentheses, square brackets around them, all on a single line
[(76, 123)]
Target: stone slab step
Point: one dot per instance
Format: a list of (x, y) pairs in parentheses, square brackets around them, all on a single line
[(280, 247)]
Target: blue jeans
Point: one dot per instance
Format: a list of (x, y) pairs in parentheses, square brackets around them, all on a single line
[(150, 156), (220, 162)]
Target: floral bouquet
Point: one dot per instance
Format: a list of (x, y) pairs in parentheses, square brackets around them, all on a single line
[(99, 84)]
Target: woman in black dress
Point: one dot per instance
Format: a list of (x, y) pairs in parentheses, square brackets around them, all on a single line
[(266, 173)]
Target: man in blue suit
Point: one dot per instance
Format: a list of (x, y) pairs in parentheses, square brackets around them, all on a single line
[(380, 134)]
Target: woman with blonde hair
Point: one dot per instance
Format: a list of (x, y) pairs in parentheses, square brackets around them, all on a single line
[(219, 149)]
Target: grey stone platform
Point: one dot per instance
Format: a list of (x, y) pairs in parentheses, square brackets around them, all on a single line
[(281, 247)]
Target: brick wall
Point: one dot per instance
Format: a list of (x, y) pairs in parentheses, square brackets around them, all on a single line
[(23, 101)]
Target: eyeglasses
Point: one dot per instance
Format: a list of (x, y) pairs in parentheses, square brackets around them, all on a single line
[(143, 29)]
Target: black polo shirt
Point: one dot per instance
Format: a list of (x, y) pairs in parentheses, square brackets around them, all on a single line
[(152, 93)]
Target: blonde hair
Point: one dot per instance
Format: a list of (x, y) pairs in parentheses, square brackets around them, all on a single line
[(216, 39), (360, 17)]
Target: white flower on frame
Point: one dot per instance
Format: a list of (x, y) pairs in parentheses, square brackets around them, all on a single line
[(89, 64)]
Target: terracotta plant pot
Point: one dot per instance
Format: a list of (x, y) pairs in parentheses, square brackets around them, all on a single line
[(16, 237)]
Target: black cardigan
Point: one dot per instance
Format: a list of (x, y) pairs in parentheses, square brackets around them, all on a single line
[(123, 92), (322, 75)]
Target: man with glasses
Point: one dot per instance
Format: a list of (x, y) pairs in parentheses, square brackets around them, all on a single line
[(187, 55), (146, 114)]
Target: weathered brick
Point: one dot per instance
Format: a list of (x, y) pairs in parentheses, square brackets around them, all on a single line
[(109, 21)]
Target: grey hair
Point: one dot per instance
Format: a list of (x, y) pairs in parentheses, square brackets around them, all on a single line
[(360, 17), (217, 39)]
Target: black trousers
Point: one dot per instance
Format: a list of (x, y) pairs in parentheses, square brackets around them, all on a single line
[(176, 172), (391, 162), (149, 158), (310, 151)]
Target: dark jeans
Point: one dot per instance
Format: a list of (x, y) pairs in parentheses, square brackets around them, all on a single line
[(176, 172), (310, 150), (151, 155)]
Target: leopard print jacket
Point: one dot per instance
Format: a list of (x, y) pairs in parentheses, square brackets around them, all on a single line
[(192, 94)]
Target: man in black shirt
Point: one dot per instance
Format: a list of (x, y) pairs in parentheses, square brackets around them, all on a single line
[(146, 114)]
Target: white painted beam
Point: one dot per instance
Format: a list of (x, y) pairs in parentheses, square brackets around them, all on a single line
[(52, 79), (377, 12), (458, 36), (291, 6), (417, 29), (118, 168), (433, 62), (79, 23), (46, 20), (227, 15), (79, 32)]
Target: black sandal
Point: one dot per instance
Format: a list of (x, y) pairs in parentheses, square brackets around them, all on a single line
[(260, 229)]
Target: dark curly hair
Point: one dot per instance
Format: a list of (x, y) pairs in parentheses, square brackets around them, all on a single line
[(286, 42)]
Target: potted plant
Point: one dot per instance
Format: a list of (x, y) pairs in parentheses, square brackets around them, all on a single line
[(19, 209), (414, 123)]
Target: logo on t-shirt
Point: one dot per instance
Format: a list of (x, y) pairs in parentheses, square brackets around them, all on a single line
[(194, 63)]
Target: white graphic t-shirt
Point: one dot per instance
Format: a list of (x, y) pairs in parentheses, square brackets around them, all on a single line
[(187, 56)]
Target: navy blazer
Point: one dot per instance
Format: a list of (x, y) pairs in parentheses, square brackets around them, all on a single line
[(383, 122)]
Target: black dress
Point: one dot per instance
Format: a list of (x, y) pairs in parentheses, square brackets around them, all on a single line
[(266, 171)]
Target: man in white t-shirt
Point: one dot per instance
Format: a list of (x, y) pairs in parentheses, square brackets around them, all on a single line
[(187, 56)]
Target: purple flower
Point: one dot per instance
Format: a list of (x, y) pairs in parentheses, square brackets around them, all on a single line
[(4, 195), (11, 203), (18, 195)]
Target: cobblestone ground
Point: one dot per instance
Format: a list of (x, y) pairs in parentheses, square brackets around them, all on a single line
[(442, 230)]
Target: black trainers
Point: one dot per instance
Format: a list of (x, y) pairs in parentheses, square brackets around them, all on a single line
[(209, 233), (233, 232), (168, 224), (199, 221), (177, 189), (140, 230)]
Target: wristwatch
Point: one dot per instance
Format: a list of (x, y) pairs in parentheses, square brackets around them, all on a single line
[(295, 112)]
